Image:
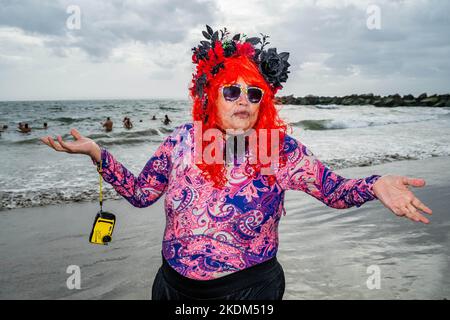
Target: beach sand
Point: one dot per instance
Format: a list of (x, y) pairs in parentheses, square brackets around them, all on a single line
[(324, 252)]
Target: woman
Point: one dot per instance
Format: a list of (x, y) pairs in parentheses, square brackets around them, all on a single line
[(221, 236)]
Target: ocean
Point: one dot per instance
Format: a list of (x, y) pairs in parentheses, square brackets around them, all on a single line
[(32, 174)]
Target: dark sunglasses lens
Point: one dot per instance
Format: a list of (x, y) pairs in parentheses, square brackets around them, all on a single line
[(254, 95), (231, 93)]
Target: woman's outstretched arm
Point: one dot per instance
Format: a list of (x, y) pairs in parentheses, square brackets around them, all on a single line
[(305, 172), (146, 188)]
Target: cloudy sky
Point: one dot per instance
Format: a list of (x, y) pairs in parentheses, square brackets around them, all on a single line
[(142, 49)]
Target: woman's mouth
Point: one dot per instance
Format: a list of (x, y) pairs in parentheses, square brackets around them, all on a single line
[(242, 114)]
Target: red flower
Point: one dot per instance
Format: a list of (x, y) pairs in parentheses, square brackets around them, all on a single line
[(194, 58), (245, 49)]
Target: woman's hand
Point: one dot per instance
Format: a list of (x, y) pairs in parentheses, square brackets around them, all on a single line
[(394, 193), (81, 145)]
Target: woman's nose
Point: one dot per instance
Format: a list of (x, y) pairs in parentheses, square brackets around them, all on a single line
[(243, 99)]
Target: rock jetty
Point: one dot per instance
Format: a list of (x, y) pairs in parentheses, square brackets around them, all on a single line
[(396, 100)]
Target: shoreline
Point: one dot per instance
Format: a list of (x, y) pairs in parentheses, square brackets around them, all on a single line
[(324, 251), (111, 195)]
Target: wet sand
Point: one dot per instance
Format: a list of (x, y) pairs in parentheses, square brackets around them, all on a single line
[(325, 252)]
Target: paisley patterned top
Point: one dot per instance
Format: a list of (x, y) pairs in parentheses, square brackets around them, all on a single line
[(213, 232)]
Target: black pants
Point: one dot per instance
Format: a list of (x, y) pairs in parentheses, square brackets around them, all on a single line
[(264, 281)]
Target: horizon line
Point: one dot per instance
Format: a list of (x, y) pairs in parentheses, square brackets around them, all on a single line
[(188, 98)]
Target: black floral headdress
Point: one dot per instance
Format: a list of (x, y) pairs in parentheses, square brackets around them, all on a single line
[(210, 54)]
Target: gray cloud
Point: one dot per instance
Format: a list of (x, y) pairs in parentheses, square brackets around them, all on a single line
[(106, 25), (44, 17), (411, 41)]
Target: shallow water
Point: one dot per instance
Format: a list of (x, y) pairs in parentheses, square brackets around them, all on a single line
[(331, 255)]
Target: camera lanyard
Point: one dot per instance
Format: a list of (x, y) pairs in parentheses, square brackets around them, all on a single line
[(100, 184)]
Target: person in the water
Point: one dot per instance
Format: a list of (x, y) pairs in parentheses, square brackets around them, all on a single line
[(127, 124), (167, 120), (25, 128), (108, 124)]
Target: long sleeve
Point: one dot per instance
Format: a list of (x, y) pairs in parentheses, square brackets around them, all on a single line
[(149, 186), (303, 171)]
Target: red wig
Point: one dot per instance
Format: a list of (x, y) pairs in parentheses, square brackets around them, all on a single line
[(268, 117)]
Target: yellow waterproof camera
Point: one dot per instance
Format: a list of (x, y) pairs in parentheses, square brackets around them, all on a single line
[(103, 228), (104, 221)]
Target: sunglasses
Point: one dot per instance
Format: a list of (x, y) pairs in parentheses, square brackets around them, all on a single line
[(232, 92)]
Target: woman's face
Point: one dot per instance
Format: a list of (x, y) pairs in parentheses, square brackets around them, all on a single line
[(240, 114)]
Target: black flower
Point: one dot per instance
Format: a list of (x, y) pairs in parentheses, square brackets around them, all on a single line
[(229, 48), (274, 66), (216, 68), (201, 51)]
